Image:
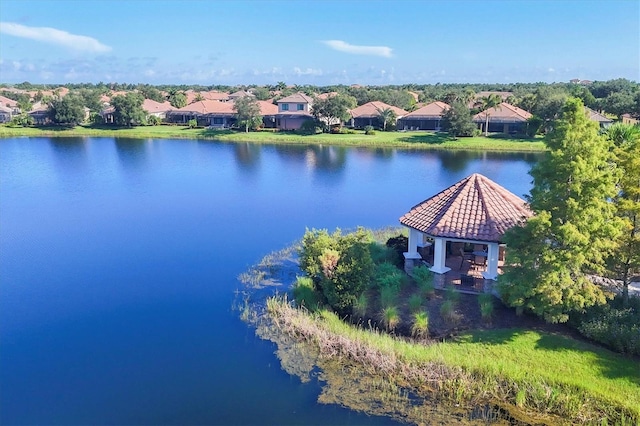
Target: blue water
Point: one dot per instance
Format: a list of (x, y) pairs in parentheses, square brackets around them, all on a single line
[(119, 259)]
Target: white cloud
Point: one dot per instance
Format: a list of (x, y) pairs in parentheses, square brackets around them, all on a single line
[(54, 36), (309, 71), (551, 69), (343, 46)]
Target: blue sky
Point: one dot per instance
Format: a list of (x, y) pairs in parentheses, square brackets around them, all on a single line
[(318, 42)]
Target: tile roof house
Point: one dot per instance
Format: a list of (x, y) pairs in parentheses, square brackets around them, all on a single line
[(475, 209), (6, 114), (9, 103), (369, 114), (206, 113), (158, 109), (428, 117), (40, 114), (293, 110), (603, 121), (504, 118)]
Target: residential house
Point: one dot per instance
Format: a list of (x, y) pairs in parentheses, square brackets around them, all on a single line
[(602, 121), (158, 109), (269, 112), (6, 114), (629, 119), (40, 114), (428, 117), (369, 114), (239, 94), (293, 110), (207, 113), (10, 103), (504, 118)]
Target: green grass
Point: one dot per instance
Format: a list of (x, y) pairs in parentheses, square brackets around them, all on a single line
[(413, 140), (528, 359)]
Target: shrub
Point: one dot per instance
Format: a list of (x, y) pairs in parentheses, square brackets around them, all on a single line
[(23, 120), (399, 245), (448, 313), (387, 275), (152, 120), (452, 295), (390, 317), (310, 127), (420, 326), (424, 279), (361, 305), (486, 306), (380, 253), (613, 325), (193, 123), (368, 130), (415, 303), (389, 296), (306, 294), (534, 123)]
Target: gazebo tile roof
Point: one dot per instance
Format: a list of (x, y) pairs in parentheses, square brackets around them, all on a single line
[(475, 208)]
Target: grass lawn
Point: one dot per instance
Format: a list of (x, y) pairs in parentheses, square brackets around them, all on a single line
[(538, 371), (413, 140)]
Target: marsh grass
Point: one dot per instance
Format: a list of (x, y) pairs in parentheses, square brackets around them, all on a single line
[(420, 326), (449, 314), (485, 300), (415, 303), (545, 374), (390, 317), (389, 296), (361, 306)]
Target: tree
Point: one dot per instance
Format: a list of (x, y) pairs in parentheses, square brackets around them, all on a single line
[(624, 263), (261, 93), (177, 99), (487, 102), (388, 117), (68, 110), (619, 103), (552, 255), (457, 120), (91, 99), (333, 110), (150, 92), (248, 111), (128, 109)]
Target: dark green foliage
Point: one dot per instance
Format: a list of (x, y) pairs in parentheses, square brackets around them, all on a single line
[(613, 324), (310, 127), (340, 265), (150, 92), (399, 245), (23, 120), (177, 99), (457, 120), (368, 130), (68, 110), (306, 294), (248, 111), (128, 109), (534, 124), (193, 123), (333, 110), (424, 278), (553, 253)]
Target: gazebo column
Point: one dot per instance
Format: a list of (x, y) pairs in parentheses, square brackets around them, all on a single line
[(415, 237), (492, 262), (440, 256)]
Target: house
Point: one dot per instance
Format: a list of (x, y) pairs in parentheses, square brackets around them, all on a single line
[(239, 94), (485, 94), (629, 119), (504, 118), (10, 103), (268, 111), (6, 114), (40, 114), (207, 113), (474, 211), (428, 117), (369, 114), (602, 121), (158, 109), (293, 110)]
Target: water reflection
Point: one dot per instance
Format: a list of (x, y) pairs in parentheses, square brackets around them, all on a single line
[(247, 155), (457, 161), (132, 153)]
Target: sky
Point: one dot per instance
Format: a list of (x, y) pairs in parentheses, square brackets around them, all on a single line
[(318, 42)]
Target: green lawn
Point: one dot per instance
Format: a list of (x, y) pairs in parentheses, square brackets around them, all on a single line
[(539, 371), (414, 140)]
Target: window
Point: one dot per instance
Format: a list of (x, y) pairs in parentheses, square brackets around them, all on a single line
[(300, 107), (285, 107), (218, 120)]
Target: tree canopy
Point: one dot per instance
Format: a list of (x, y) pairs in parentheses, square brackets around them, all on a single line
[(128, 109), (68, 110), (248, 111), (457, 120), (333, 110), (552, 255)]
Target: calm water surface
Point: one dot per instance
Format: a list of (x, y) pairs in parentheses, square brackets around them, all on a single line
[(119, 259)]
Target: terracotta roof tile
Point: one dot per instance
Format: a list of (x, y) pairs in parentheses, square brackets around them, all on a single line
[(150, 106), (372, 109), (434, 109), (503, 113), (296, 98), (475, 208)]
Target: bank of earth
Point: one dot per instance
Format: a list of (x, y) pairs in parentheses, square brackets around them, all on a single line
[(410, 140)]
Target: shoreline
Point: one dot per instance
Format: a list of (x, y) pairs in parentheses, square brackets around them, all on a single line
[(391, 140)]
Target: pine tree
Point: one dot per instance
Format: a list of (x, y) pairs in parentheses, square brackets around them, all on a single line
[(575, 227)]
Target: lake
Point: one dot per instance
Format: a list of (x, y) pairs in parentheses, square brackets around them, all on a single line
[(119, 261)]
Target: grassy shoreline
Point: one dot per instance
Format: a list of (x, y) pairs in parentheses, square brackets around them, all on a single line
[(405, 140), (513, 369)]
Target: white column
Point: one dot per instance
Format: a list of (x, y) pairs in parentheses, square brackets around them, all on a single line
[(492, 262), (415, 237), (439, 256)]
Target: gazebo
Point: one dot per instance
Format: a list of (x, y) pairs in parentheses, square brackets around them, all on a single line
[(474, 210)]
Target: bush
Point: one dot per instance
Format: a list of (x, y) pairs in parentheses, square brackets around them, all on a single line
[(153, 120), (387, 275), (451, 294), (390, 317), (486, 306), (361, 305), (193, 123), (381, 254), (23, 120), (310, 127), (613, 325), (399, 245), (388, 296), (534, 123), (420, 326), (415, 303), (368, 130), (305, 294), (424, 279), (448, 313)]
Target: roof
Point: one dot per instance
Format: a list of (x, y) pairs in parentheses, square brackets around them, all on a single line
[(323, 96), (299, 98), (150, 106), (434, 109), (5, 109), (267, 108), (503, 113), (596, 116), (372, 109), (8, 102), (475, 208), (207, 106)]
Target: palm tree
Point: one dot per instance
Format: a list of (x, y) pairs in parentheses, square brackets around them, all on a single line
[(387, 115), (621, 133), (488, 102)]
